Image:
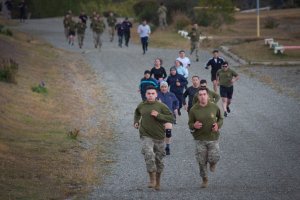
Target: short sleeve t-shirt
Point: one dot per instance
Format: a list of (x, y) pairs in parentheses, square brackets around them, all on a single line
[(185, 61), (225, 77)]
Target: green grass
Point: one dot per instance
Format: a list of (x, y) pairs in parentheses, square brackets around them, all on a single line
[(39, 89)]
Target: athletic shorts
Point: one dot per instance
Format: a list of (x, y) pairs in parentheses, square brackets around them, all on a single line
[(226, 92), (213, 76), (72, 33)]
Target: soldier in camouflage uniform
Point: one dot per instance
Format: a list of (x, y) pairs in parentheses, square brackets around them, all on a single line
[(111, 21), (195, 39), (98, 27), (72, 30), (80, 27), (205, 120), (162, 16), (213, 97), (66, 25), (150, 117)]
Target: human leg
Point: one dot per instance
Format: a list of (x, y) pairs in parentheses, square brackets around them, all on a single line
[(150, 159), (120, 40), (95, 39), (143, 41), (126, 37), (196, 51), (192, 47), (168, 129), (161, 23), (215, 85), (201, 156), (213, 154), (112, 33), (159, 155), (229, 97)]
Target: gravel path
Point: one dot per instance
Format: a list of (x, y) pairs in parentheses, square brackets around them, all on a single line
[(260, 139)]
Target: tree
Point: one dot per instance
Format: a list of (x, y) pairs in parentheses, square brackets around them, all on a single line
[(214, 12)]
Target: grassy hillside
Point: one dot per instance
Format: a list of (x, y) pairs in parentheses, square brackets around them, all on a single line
[(38, 158), (241, 36)]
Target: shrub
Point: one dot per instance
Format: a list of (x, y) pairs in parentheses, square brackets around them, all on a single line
[(146, 10), (180, 20), (271, 23), (213, 13), (40, 89), (73, 133), (8, 71), (5, 31)]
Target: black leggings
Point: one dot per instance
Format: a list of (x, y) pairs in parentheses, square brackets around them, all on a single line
[(144, 41)]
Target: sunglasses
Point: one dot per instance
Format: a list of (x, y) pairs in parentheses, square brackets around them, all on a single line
[(225, 66)]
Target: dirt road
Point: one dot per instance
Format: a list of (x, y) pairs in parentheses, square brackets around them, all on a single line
[(260, 140)]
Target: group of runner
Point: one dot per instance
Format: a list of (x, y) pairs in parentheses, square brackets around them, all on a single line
[(73, 27), (164, 95)]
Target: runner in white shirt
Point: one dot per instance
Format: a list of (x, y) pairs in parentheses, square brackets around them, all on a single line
[(183, 59), (144, 31)]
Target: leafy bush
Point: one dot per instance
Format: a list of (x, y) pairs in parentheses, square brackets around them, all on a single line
[(214, 13), (8, 71), (271, 23), (180, 20), (40, 89), (146, 10), (5, 31), (73, 133)]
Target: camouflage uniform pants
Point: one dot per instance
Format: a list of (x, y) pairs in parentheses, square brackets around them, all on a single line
[(97, 39), (162, 21), (80, 39), (111, 32), (206, 152), (195, 47), (66, 31), (153, 151)]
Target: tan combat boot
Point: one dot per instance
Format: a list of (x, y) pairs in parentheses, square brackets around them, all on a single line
[(157, 186), (212, 167), (152, 176), (204, 182)]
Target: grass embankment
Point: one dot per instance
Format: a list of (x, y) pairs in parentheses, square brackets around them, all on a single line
[(241, 36), (37, 158)]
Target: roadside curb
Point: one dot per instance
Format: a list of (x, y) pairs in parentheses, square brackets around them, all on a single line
[(226, 52)]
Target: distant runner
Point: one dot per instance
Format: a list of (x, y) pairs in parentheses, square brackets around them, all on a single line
[(226, 78)]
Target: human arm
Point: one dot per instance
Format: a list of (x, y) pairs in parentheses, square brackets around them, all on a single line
[(185, 94), (215, 97), (183, 81), (164, 73), (208, 64), (193, 123), (219, 123), (164, 115), (195, 99), (137, 117), (235, 77)]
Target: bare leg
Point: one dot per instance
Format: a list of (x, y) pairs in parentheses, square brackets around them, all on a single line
[(215, 85)]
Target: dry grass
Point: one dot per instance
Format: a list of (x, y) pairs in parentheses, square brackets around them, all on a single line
[(168, 38), (38, 159), (240, 36)]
